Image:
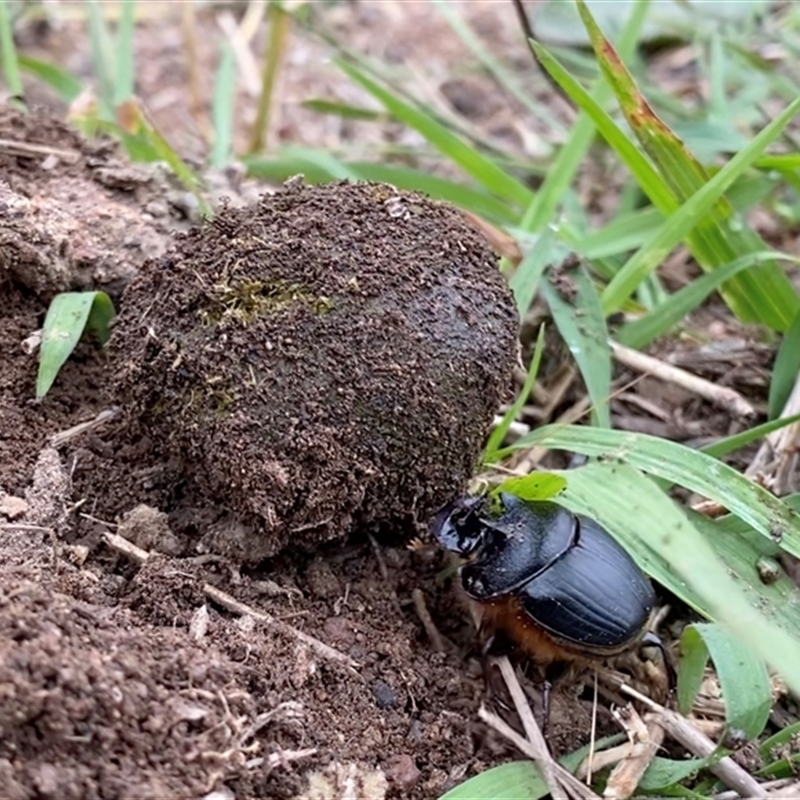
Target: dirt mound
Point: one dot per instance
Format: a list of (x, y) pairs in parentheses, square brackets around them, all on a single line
[(326, 360)]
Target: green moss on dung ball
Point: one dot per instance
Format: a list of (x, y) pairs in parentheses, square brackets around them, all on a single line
[(327, 360)]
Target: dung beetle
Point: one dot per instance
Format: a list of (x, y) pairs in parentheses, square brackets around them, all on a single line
[(555, 583)]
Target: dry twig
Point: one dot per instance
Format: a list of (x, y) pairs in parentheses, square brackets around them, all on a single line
[(683, 731), (721, 396)]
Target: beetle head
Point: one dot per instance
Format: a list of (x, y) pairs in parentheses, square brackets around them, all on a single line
[(458, 525)]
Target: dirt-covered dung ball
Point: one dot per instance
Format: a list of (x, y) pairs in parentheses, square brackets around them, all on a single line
[(325, 361)]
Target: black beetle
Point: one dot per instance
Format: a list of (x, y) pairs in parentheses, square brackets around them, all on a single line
[(555, 583)]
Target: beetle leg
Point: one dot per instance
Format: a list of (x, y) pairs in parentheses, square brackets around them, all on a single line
[(651, 639)]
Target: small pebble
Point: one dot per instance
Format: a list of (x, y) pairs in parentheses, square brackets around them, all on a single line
[(402, 771), (13, 508), (385, 695)]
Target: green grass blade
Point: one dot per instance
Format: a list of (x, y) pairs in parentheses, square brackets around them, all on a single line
[(499, 433), (644, 172), (667, 543), (223, 107), (578, 315), (124, 60), (536, 486), (721, 237), (66, 86), (482, 169), (743, 678), (680, 465), (519, 780), (565, 165), (737, 440), (786, 369), (8, 51), (526, 278), (681, 223), (68, 316), (101, 49), (660, 320)]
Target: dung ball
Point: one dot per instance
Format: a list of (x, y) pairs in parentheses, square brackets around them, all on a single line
[(325, 361)]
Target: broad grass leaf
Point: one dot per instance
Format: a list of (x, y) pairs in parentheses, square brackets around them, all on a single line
[(518, 780), (681, 465), (69, 315), (743, 678)]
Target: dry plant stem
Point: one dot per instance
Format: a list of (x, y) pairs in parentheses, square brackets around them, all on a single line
[(721, 396), (574, 787), (62, 437), (245, 60), (189, 33), (29, 150), (683, 731), (126, 548), (555, 775), (22, 527), (647, 739), (778, 788)]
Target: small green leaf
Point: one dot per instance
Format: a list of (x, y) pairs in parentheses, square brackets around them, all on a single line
[(69, 315), (519, 780), (536, 486), (664, 772), (743, 678)]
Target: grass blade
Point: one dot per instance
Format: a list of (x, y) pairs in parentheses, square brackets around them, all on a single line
[(578, 315), (222, 108), (681, 223), (721, 237), (660, 320), (66, 86), (483, 170), (499, 433), (786, 369), (680, 465), (124, 63), (743, 678), (9, 53)]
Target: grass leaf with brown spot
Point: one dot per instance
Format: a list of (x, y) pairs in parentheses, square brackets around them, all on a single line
[(718, 236)]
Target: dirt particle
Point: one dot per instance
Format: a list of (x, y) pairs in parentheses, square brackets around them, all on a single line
[(149, 529), (321, 580), (12, 508), (385, 695), (402, 771)]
